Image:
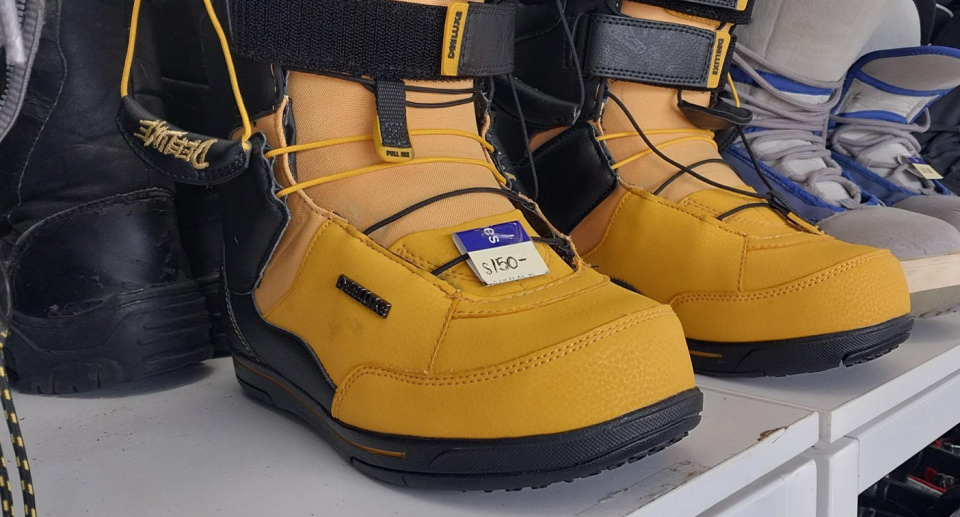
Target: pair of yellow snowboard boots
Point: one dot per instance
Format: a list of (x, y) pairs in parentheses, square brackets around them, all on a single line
[(389, 277)]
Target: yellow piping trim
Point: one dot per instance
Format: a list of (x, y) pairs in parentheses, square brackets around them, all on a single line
[(705, 354), (373, 168)]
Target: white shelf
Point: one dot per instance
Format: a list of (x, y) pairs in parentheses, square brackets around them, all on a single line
[(904, 431), (191, 443), (849, 398), (789, 491)]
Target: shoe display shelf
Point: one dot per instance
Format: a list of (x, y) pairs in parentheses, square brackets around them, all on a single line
[(872, 417), (192, 443)]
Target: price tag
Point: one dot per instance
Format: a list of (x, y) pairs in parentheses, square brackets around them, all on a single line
[(501, 253), (921, 168)]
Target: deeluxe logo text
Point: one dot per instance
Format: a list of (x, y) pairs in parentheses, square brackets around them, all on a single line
[(718, 58), (363, 295), (454, 34), (157, 134)]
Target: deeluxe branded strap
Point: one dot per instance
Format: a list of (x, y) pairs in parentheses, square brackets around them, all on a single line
[(383, 39), (616, 47), (727, 11)]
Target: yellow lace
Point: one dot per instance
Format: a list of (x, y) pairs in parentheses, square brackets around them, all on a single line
[(248, 127), (310, 146), (228, 58)]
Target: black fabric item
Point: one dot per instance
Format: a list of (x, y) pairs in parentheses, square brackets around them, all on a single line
[(177, 154), (540, 111), (928, 18), (391, 99), (383, 39), (57, 267), (941, 143), (574, 176), (720, 10), (271, 347), (64, 149), (253, 220), (488, 41), (721, 116), (618, 47), (262, 83)]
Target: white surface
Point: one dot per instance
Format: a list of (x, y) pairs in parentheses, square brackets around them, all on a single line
[(904, 431), (789, 491), (837, 467), (190, 443), (849, 398)]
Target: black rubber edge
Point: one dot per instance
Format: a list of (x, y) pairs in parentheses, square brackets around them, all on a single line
[(210, 289), (126, 337), (800, 355), (485, 464)]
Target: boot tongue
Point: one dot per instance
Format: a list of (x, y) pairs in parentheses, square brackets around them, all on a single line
[(655, 110), (326, 108), (885, 94), (431, 249)]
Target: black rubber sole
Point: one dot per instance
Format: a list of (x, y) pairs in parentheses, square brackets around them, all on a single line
[(801, 355), (127, 337), (210, 289), (488, 464)]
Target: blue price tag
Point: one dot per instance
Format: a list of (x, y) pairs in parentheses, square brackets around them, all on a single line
[(503, 234), (501, 253)]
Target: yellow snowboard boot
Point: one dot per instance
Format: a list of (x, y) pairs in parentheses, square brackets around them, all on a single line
[(384, 284), (620, 107)]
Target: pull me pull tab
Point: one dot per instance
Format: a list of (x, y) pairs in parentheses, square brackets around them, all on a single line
[(391, 135)]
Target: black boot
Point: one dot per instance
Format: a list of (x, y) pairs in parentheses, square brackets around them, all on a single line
[(186, 92), (941, 143), (101, 285)]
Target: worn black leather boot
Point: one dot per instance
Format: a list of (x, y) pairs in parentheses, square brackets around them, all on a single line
[(102, 288)]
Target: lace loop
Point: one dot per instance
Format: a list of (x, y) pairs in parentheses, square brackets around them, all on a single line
[(791, 130)]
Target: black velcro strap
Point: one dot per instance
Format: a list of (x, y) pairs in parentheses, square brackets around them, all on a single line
[(729, 11), (653, 52), (378, 38)]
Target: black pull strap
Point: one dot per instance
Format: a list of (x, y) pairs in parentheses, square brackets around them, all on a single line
[(391, 135)]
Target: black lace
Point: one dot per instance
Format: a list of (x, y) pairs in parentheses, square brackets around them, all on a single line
[(560, 244), (772, 199)]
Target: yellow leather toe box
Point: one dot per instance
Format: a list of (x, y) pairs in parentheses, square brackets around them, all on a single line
[(612, 370), (859, 292), (749, 277)]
